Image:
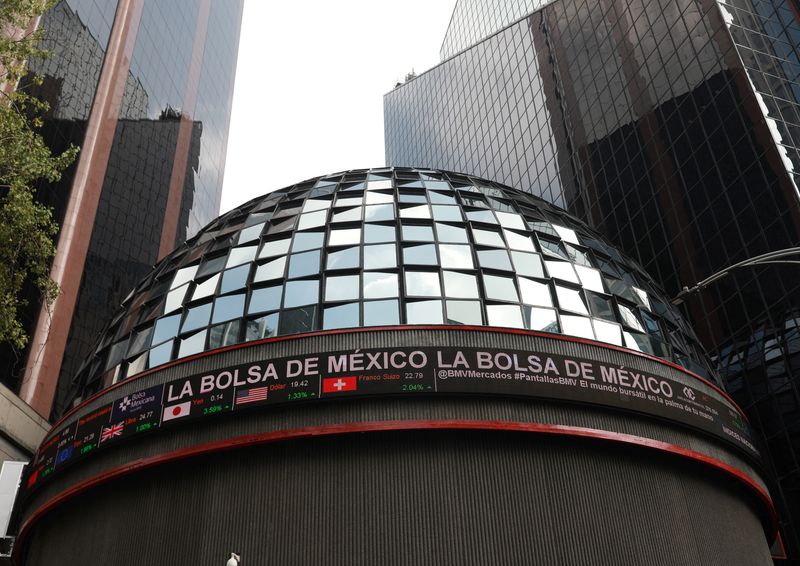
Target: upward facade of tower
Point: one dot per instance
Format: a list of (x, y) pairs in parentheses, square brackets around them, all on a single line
[(672, 127), (144, 87)]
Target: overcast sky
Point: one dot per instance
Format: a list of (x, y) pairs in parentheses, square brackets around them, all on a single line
[(310, 83)]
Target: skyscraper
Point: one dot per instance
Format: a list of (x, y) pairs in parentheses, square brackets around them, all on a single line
[(145, 88), (672, 127)]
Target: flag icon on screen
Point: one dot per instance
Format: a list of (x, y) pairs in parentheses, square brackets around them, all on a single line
[(337, 384), (64, 454), (176, 411), (110, 432), (252, 395)]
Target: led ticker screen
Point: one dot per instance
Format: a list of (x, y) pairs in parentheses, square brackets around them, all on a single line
[(397, 371)]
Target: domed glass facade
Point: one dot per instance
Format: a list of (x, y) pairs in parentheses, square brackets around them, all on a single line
[(384, 247)]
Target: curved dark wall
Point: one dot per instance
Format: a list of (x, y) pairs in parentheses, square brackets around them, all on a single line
[(419, 497)]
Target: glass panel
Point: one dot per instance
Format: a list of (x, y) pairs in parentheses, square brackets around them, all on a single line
[(447, 233), (264, 327), (193, 344), (424, 312), (307, 241), (607, 332), (504, 315), (419, 233), (381, 256), (629, 318), (423, 284), (206, 288), (238, 256), (137, 366), (381, 313), (447, 213), (511, 220), (140, 341), (380, 198), (378, 285), (421, 211), (175, 298), (306, 263), (372, 185), (166, 327), (552, 249), (638, 342), (224, 334), (487, 238), (271, 270), (298, 320), (301, 293), (407, 197), (440, 185), (266, 299), (348, 215), (460, 285), (566, 234), (578, 256), (378, 212), (374, 233), (342, 288), (486, 216), (590, 279), (234, 279), (441, 198), (420, 255), (196, 317), (641, 298), (161, 354), (346, 237), (500, 288), (275, 247), (343, 316), (561, 270), (312, 205), (228, 308), (534, 293), (540, 319), (312, 220), (571, 300), (601, 307), (527, 264), (459, 257), (250, 234), (494, 259), (577, 326), (464, 312), (344, 259), (519, 242), (183, 275)]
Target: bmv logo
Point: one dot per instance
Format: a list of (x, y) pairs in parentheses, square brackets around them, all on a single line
[(689, 393)]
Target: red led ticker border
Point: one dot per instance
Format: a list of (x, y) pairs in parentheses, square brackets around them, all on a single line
[(377, 426), (405, 327)]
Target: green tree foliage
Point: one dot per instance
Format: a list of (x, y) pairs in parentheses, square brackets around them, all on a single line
[(27, 228)]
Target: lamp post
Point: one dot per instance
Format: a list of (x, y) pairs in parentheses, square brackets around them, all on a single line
[(769, 258)]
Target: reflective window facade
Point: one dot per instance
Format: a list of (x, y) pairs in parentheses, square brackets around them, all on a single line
[(240, 278), (162, 174), (670, 126)]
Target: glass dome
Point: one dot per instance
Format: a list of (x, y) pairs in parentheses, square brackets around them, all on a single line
[(383, 247)]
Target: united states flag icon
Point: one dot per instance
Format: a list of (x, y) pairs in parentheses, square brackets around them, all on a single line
[(251, 395)]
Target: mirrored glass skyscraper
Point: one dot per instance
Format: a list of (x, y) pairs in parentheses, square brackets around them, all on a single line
[(144, 87), (672, 127)]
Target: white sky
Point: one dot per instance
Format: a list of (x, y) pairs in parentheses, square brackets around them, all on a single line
[(310, 83)]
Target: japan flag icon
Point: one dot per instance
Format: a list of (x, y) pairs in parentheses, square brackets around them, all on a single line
[(176, 411)]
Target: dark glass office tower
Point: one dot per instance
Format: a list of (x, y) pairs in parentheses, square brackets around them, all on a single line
[(145, 88), (672, 127)]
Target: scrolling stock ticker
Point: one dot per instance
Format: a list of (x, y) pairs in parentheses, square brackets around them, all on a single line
[(398, 371)]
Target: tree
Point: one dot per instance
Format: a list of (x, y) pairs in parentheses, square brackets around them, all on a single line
[(27, 228)]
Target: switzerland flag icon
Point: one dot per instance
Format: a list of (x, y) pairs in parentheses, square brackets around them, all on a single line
[(337, 384)]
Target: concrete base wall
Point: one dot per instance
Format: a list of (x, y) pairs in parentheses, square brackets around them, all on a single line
[(422, 497)]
